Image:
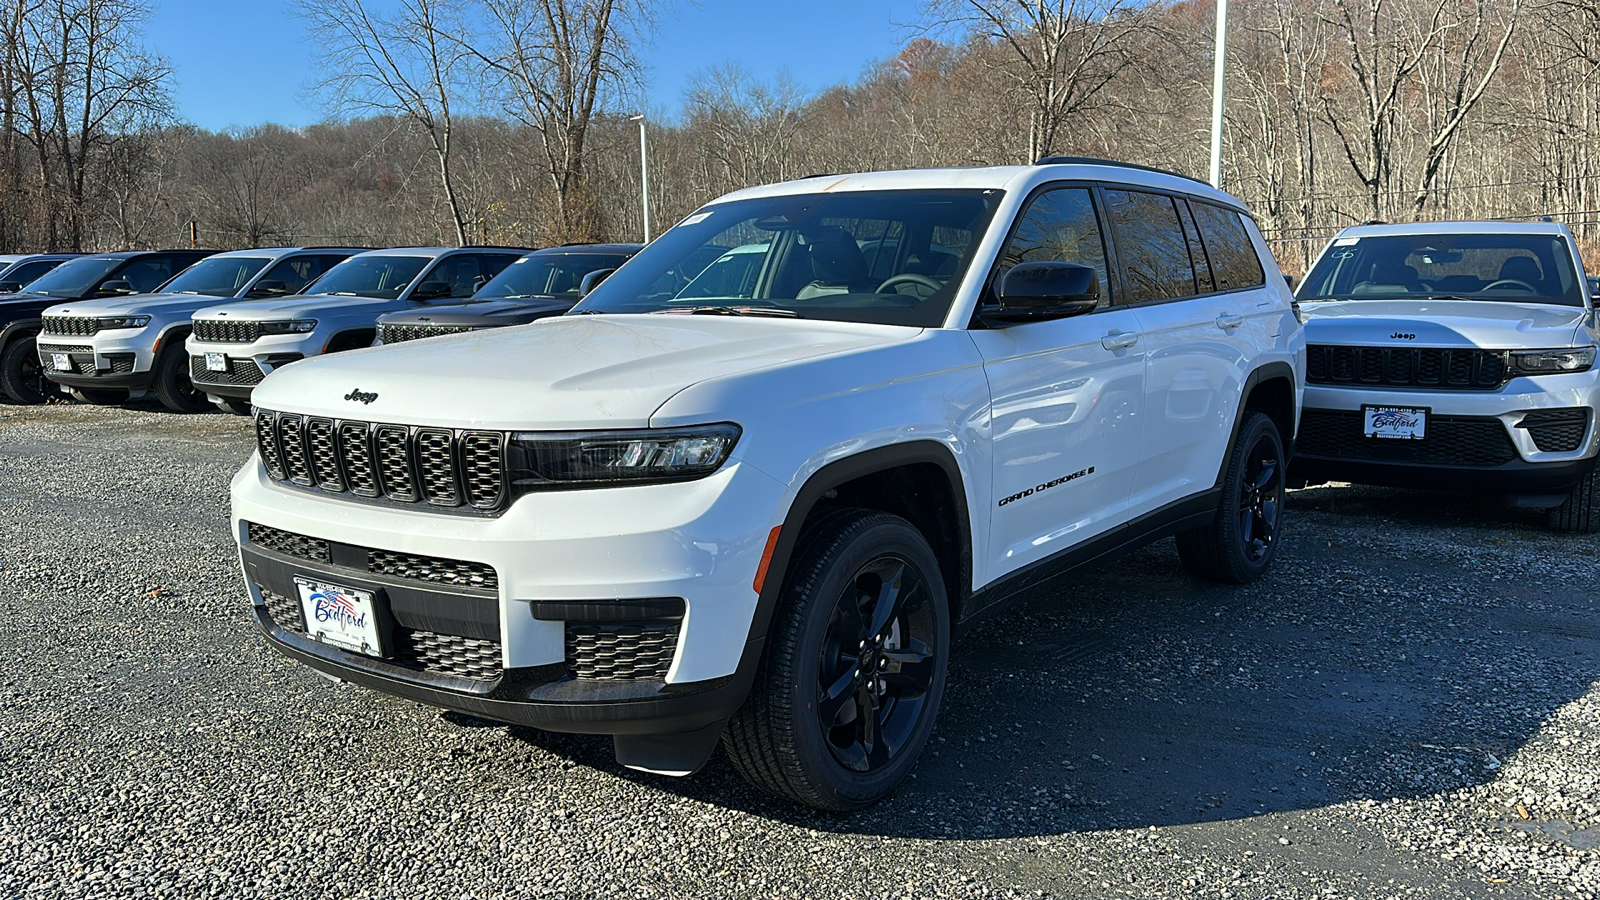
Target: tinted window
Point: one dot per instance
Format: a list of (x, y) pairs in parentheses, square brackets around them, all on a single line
[(148, 273), (818, 256), (298, 271), (494, 264), (28, 271), (75, 277), (1155, 254), (1197, 251), (1233, 257), (382, 277), (548, 274), (1533, 268), (1060, 226), (464, 274), (219, 276)]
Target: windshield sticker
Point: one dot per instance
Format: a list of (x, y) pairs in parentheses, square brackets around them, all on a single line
[(696, 219), (1346, 242)]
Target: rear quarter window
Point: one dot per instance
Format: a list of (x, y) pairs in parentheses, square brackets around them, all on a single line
[(1233, 258)]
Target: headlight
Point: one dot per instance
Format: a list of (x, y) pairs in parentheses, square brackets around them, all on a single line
[(123, 322), (550, 461), (1551, 362), (289, 326)]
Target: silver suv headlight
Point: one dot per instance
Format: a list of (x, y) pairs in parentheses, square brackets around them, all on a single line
[(1552, 362), (554, 460), (122, 322), (289, 326)]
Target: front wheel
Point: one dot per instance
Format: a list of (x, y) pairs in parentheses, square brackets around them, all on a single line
[(1239, 544), (170, 379), (21, 377), (854, 667), (1580, 512)]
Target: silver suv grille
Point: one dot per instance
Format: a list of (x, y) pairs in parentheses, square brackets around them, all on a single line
[(401, 463), (76, 326), (224, 331)]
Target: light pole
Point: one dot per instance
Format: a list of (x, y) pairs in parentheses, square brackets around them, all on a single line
[(644, 174), (1217, 93)]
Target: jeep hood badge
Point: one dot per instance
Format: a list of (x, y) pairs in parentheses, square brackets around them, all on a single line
[(360, 397)]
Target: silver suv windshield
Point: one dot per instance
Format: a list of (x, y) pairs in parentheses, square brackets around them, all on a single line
[(380, 277), (887, 257), (1526, 268), (219, 276)]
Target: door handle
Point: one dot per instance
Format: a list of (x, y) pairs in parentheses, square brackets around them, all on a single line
[(1229, 321), (1120, 340)]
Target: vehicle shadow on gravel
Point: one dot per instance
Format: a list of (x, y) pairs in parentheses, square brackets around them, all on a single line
[(1394, 651)]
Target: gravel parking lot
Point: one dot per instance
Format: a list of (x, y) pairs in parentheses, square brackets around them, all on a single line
[(1407, 706)]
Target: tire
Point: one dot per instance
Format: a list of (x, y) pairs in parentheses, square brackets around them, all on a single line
[(98, 396), (170, 378), (21, 377), (812, 671), (1240, 543), (1580, 512), (237, 407)]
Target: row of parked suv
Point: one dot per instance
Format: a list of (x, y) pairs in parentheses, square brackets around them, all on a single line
[(195, 328), (746, 490)]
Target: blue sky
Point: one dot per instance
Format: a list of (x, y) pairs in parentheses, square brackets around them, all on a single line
[(246, 62)]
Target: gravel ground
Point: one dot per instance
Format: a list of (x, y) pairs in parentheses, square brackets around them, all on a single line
[(1406, 707)]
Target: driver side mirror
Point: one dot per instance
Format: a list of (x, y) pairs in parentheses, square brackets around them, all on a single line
[(10, 287), (592, 281), (114, 288), (431, 290), (1041, 291), (268, 289)]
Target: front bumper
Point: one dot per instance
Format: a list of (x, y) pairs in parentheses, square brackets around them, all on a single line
[(1477, 440), (246, 364), (561, 563), (114, 358)]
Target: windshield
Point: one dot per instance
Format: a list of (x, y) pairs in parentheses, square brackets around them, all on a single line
[(75, 278), (217, 276), (381, 277), (548, 274), (1529, 268), (887, 257)]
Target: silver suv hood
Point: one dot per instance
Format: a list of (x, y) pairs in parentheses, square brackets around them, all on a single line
[(559, 373), (1489, 324), (304, 306), (138, 305)]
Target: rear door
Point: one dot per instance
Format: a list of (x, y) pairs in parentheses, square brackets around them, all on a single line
[(1064, 415)]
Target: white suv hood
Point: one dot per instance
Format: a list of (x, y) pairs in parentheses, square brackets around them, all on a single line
[(567, 372), (1442, 323)]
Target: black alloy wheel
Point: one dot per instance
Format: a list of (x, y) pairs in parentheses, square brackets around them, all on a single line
[(1239, 543), (171, 382), (21, 375), (877, 667)]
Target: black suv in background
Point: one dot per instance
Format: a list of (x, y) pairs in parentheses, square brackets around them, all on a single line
[(544, 283), (17, 270), (102, 275)]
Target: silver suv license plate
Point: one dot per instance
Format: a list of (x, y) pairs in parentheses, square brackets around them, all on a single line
[(216, 362), (341, 616), (61, 362), (1400, 422)]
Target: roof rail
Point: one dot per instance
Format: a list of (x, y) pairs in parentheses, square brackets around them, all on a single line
[(1095, 161), (336, 247), (817, 175), (1374, 222)]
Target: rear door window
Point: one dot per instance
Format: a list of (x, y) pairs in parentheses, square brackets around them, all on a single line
[(1151, 242)]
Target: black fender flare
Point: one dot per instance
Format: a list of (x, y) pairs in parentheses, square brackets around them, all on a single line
[(1266, 372), (22, 327)]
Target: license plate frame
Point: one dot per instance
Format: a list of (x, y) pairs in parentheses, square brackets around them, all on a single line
[(1395, 423), (216, 362), (341, 616)]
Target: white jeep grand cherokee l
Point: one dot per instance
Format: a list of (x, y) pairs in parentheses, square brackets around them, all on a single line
[(756, 516), (1454, 355)]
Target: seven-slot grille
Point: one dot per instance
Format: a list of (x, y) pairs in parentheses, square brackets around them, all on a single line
[(442, 467), (398, 334), (226, 331), (1464, 369), (76, 326)]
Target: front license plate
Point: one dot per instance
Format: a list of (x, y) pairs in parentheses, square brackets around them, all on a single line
[(1400, 422), (341, 616), (61, 362), (216, 362)]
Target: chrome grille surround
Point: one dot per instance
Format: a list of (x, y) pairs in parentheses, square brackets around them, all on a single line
[(226, 331), (74, 326), (447, 469)]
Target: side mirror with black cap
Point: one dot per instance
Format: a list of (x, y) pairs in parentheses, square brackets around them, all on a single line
[(1041, 291), (10, 287), (269, 289), (592, 280), (114, 288), (431, 290)]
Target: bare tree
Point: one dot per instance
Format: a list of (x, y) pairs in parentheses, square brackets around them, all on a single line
[(407, 66), (1064, 53)]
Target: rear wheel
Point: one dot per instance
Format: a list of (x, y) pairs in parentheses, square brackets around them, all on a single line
[(854, 667), (170, 379), (1580, 512), (21, 377), (237, 407), (1241, 541)]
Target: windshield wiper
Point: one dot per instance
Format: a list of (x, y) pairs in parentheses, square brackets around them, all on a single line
[(728, 311)]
